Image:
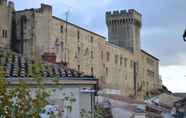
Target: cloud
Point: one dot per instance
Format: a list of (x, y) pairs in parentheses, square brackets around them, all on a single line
[(174, 77)]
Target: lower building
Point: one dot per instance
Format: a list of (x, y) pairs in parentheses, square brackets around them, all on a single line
[(71, 89)]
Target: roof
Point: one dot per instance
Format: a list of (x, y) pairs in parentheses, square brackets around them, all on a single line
[(122, 98), (16, 66), (150, 55), (78, 27), (182, 95)]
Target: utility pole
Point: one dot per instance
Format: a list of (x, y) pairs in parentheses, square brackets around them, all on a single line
[(66, 35)]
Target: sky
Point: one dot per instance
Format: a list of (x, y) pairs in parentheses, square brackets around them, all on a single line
[(163, 23)]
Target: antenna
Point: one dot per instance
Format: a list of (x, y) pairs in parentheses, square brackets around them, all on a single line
[(66, 33)]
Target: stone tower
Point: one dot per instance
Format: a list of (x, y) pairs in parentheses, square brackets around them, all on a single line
[(124, 29), (6, 18)]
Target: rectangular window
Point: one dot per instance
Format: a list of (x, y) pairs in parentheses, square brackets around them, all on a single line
[(61, 29), (131, 63), (150, 73), (150, 61), (101, 55), (106, 71), (108, 56), (125, 61), (92, 71), (92, 54), (78, 48), (78, 35), (78, 67), (91, 39), (116, 59), (4, 33), (121, 60)]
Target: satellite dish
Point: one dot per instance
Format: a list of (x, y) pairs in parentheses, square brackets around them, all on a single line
[(184, 35)]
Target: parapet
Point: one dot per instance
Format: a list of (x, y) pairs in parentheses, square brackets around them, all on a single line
[(46, 7), (11, 4), (122, 13), (3, 2)]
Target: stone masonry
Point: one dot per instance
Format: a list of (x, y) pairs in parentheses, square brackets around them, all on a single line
[(120, 64)]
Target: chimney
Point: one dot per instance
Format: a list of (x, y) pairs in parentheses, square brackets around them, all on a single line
[(49, 57)]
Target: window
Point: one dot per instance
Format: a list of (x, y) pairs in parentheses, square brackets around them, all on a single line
[(24, 22), (125, 62), (131, 63), (78, 48), (78, 67), (61, 29), (101, 55), (150, 73), (116, 59), (91, 39), (62, 45), (86, 52), (121, 60), (57, 42), (92, 71), (92, 55), (78, 35), (106, 69), (4, 33), (108, 56), (150, 61)]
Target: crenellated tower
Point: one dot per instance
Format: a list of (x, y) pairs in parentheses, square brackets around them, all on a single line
[(6, 19), (124, 28)]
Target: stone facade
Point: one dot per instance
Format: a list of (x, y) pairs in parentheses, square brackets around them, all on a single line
[(124, 28), (118, 67), (6, 16)]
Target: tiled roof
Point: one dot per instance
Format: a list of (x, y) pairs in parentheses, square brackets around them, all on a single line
[(15, 65)]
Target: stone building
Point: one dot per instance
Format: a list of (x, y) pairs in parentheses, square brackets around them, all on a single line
[(119, 63), (6, 16)]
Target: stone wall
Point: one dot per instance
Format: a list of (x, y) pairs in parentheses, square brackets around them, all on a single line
[(6, 13), (38, 33), (150, 75)]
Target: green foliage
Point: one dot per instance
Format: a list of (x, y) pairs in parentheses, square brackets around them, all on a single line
[(99, 113), (16, 102)]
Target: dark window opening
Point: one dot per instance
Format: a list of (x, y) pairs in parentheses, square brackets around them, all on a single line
[(92, 54), (92, 71), (61, 29), (101, 55), (121, 60), (108, 56), (78, 67), (116, 59), (78, 35), (91, 39), (125, 61)]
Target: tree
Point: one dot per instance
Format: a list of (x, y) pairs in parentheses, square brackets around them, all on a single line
[(17, 102)]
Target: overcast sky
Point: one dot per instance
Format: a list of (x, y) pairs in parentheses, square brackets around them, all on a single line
[(163, 24)]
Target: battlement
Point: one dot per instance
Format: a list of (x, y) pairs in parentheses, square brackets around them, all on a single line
[(3, 2), (11, 4), (6, 3), (130, 12), (46, 7)]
